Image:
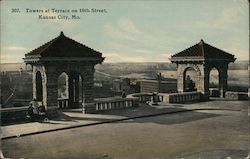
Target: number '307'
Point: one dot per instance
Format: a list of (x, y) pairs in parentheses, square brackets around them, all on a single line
[(15, 10)]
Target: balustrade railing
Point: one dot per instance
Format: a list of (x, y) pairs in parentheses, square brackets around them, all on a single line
[(110, 104), (63, 103), (184, 97), (144, 97)]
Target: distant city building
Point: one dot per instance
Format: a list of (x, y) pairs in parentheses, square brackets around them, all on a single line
[(163, 86), (120, 85), (160, 84)]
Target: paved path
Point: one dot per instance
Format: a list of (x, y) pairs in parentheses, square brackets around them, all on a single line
[(217, 128), (65, 120), (75, 118)]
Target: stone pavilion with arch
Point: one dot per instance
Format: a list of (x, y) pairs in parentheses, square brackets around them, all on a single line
[(202, 58), (76, 61)]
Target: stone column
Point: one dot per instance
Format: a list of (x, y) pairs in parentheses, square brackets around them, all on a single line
[(206, 92), (88, 86), (77, 91), (223, 82), (180, 79), (34, 81), (71, 90), (51, 93), (203, 80)]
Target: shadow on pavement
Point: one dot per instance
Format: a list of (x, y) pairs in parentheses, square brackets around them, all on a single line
[(178, 118), (147, 114), (141, 111), (220, 154), (135, 112), (7, 123)]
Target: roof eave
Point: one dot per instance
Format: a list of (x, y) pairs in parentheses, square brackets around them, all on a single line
[(176, 59), (222, 59), (65, 59)]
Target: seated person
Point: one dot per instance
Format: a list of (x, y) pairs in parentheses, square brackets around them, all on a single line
[(30, 113), (34, 104), (42, 110), (33, 111)]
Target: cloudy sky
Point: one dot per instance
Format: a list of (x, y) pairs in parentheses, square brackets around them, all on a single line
[(130, 31)]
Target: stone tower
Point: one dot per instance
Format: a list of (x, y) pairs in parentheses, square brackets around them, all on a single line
[(64, 55), (202, 57)]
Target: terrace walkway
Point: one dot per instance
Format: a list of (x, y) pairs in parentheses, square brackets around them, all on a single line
[(217, 127), (72, 118)]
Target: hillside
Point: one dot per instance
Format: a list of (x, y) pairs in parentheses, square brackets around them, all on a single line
[(125, 68)]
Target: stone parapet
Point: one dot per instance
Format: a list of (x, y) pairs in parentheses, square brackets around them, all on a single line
[(185, 97), (89, 108), (236, 95)]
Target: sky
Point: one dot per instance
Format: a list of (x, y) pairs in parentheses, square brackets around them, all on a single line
[(129, 31)]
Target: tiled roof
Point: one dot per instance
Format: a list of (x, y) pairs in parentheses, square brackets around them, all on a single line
[(204, 51), (63, 46)]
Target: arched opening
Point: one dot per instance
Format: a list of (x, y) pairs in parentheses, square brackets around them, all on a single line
[(75, 89), (39, 86), (70, 94), (63, 90), (214, 78), (214, 82), (190, 80)]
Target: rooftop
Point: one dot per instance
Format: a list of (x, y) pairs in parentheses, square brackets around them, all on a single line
[(203, 51), (63, 46)]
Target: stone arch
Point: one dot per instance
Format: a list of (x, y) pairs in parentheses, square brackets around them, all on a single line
[(62, 82), (190, 79), (214, 81), (222, 77), (39, 86), (74, 87), (182, 69), (214, 72), (195, 67), (62, 89)]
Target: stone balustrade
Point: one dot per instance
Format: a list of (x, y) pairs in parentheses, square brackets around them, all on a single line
[(114, 103), (237, 95), (184, 97), (214, 92), (63, 103), (141, 97)]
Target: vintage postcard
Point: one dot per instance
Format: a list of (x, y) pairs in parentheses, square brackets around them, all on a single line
[(124, 79)]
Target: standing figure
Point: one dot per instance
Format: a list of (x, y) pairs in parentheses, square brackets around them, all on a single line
[(123, 94)]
